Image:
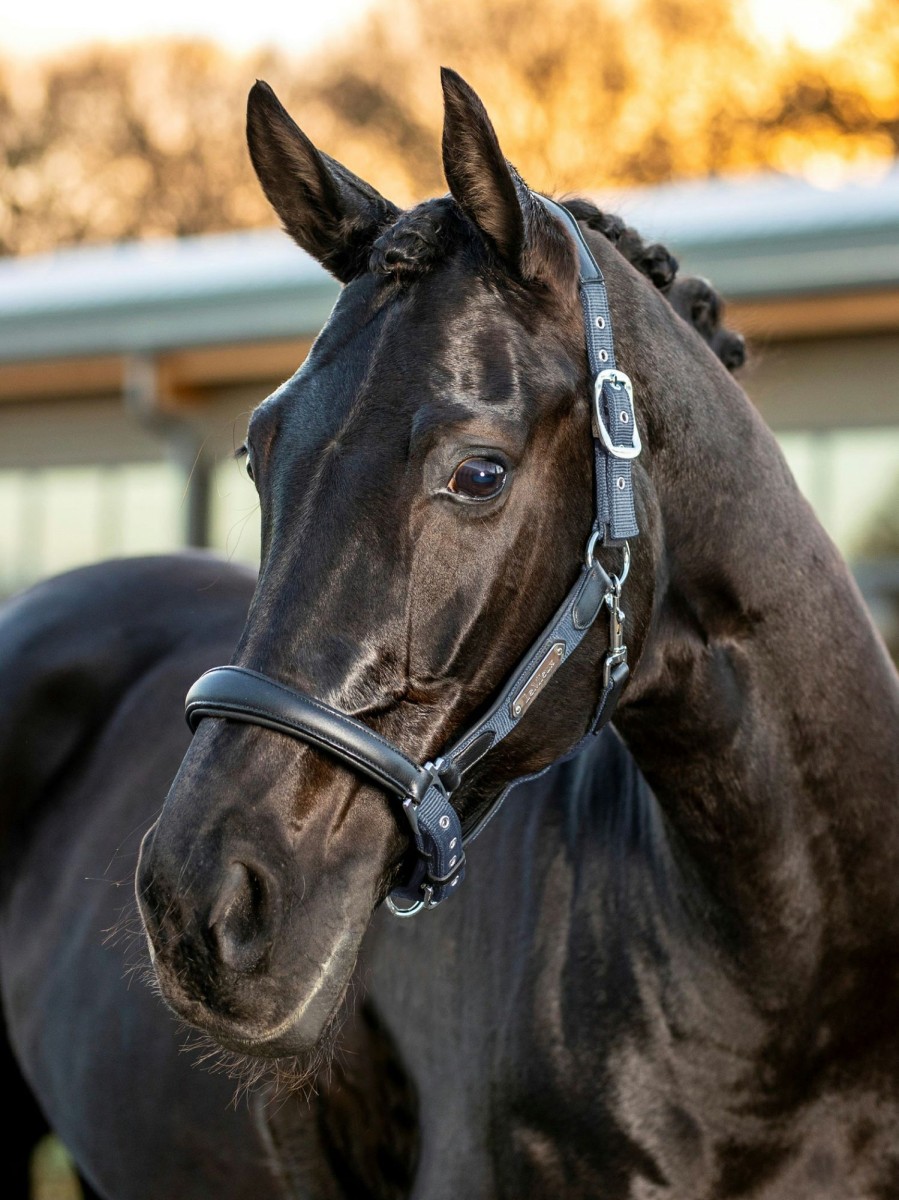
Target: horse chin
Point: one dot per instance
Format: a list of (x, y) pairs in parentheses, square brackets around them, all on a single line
[(291, 1040), (298, 1033), (253, 1020)]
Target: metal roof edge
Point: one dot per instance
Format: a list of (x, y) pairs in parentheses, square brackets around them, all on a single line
[(759, 236)]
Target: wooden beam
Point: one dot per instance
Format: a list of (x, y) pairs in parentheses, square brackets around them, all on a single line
[(188, 377), (784, 319), (208, 366), (77, 377), (185, 376)]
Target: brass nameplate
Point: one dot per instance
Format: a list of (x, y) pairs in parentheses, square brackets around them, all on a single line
[(538, 679)]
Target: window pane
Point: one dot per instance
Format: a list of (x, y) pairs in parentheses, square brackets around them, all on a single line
[(234, 520), (56, 518), (851, 478)]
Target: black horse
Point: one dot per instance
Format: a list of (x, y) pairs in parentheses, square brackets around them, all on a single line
[(684, 992)]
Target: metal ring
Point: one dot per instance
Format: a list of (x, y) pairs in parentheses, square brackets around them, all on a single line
[(405, 912), (590, 559), (619, 579)]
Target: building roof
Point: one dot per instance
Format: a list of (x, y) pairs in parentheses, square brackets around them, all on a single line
[(774, 235), (141, 297), (760, 237)]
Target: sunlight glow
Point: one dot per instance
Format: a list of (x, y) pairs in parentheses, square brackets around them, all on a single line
[(52, 25), (814, 25)]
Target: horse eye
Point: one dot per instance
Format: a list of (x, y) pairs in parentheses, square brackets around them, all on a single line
[(478, 479)]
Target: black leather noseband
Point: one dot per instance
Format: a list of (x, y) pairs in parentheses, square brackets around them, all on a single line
[(238, 694), (241, 695)]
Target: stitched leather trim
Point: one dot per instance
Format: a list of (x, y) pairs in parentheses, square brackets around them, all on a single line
[(589, 600), (475, 752)]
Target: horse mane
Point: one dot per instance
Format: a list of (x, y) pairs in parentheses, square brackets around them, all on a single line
[(417, 239), (691, 297)]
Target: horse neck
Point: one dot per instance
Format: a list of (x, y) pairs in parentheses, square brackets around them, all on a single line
[(763, 708)]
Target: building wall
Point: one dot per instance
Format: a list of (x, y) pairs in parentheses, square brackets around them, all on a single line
[(97, 475)]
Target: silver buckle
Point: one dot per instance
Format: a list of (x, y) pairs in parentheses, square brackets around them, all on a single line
[(617, 379)]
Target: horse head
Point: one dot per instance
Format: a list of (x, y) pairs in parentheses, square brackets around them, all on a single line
[(426, 491)]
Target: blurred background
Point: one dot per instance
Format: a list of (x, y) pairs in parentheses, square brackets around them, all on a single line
[(147, 301)]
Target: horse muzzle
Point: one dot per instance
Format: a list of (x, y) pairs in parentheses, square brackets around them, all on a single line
[(254, 921)]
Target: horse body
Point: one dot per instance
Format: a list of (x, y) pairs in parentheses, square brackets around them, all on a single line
[(683, 993), (700, 1005), (95, 667)]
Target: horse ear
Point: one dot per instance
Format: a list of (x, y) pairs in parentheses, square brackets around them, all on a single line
[(325, 208), (492, 194)]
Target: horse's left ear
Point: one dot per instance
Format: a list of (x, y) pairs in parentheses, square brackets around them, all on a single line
[(493, 195), (327, 209)]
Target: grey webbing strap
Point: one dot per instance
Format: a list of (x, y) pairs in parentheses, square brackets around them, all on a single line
[(556, 644), (615, 437), (440, 865), (618, 677), (438, 837)]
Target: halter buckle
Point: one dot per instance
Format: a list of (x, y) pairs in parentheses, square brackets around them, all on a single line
[(617, 379)]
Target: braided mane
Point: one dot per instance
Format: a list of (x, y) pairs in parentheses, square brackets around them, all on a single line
[(692, 298), (418, 238)]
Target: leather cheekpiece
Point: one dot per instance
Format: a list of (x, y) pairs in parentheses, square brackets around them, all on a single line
[(590, 598)]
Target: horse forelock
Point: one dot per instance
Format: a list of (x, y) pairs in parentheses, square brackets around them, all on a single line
[(421, 238)]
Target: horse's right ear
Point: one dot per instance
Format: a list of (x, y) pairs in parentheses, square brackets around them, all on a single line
[(325, 208)]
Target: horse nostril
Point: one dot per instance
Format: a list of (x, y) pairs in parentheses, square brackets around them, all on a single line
[(241, 918)]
